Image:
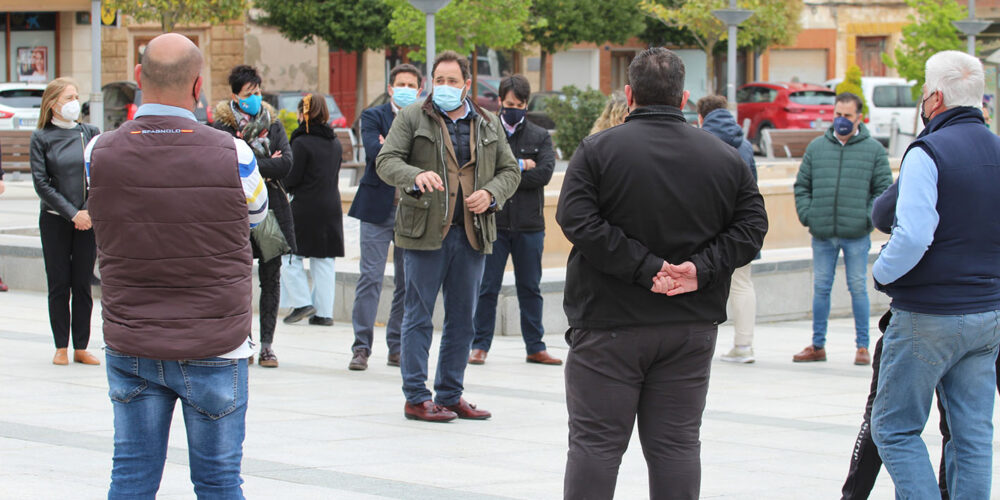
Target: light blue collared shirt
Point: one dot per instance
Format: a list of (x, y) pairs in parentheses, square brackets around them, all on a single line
[(916, 218), (154, 109)]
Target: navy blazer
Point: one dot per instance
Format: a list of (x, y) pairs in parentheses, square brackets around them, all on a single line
[(374, 198)]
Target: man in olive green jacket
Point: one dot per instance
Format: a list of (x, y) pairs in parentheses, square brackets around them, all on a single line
[(841, 174), (452, 164)]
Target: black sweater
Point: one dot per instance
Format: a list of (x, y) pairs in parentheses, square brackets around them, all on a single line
[(655, 189), (525, 211)]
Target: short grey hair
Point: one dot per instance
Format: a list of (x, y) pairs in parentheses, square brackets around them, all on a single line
[(959, 77)]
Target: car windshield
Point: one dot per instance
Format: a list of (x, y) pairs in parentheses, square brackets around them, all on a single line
[(893, 96), (813, 97), (21, 98)]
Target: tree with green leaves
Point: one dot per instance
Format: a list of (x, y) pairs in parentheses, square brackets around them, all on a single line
[(556, 24), (928, 33), (774, 22), (461, 26), (852, 84), (348, 25), (170, 13), (574, 114)]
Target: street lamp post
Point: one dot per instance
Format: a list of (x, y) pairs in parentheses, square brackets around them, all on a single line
[(96, 96), (971, 27), (429, 7), (732, 17)]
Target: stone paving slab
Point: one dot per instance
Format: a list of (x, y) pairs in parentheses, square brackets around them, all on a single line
[(773, 430)]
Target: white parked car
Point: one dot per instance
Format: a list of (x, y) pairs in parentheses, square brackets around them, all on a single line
[(888, 99), (19, 105)]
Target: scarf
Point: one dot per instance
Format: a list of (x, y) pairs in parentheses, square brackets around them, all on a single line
[(254, 129)]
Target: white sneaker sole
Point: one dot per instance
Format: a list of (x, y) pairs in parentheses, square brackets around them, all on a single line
[(738, 360)]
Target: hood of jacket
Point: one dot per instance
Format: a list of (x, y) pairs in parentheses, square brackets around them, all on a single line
[(721, 124), (224, 113), (860, 136)]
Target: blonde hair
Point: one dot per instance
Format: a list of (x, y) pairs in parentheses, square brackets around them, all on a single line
[(53, 90), (614, 113)]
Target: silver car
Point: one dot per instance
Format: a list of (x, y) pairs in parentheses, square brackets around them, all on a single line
[(19, 105)]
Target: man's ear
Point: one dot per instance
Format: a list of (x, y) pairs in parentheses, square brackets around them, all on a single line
[(684, 100), (138, 76), (197, 88), (629, 98)]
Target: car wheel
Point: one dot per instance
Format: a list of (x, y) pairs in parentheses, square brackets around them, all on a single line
[(760, 133)]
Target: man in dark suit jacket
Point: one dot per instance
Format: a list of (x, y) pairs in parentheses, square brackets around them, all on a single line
[(375, 206)]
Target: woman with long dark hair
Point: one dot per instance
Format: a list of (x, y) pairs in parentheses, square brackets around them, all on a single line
[(68, 247)]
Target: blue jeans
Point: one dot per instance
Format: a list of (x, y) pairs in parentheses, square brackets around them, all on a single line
[(956, 355), (458, 269), (825, 253), (526, 251), (213, 395), (375, 240), (295, 285)]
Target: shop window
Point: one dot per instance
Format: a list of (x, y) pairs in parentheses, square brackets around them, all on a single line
[(32, 47)]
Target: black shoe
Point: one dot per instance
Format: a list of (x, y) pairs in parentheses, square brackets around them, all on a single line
[(393, 360), (299, 314), (359, 361), (321, 321)]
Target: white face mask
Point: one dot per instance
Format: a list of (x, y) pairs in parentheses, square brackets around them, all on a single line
[(70, 111)]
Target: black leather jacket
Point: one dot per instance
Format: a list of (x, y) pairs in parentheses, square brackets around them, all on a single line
[(525, 211), (57, 168)]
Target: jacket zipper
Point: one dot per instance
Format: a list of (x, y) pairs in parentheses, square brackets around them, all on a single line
[(836, 193), (84, 144)]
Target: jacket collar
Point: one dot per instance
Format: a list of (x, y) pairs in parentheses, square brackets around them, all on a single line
[(858, 136), (954, 116), (224, 113), (656, 112)]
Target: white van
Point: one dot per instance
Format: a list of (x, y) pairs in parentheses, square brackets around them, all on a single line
[(888, 99)]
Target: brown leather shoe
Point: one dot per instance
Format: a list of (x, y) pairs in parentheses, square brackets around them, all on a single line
[(428, 412), (360, 361), (393, 360), (467, 411), (810, 353), (862, 357), (84, 357), (267, 358), (543, 357), (477, 357), (60, 358)]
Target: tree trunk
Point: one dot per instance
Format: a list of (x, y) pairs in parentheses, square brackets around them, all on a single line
[(543, 84), (710, 70)]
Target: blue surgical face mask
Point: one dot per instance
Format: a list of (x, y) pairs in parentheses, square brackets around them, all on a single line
[(403, 96), (447, 98), (842, 126), (250, 105)]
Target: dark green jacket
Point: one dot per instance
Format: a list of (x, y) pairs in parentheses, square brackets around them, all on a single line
[(415, 143), (837, 184)]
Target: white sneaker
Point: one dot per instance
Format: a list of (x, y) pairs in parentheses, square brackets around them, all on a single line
[(739, 354)]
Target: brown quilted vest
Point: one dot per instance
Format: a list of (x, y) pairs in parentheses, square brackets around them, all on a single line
[(173, 239)]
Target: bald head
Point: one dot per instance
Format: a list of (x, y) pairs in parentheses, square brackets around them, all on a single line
[(170, 64)]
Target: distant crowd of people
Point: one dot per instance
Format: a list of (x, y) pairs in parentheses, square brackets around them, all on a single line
[(665, 220)]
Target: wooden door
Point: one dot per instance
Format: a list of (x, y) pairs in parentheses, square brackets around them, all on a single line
[(868, 53), (343, 82)]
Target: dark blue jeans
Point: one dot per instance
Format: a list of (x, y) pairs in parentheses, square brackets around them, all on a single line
[(213, 394), (458, 270), (526, 251)]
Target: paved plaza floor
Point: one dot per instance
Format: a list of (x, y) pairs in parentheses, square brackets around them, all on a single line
[(772, 430)]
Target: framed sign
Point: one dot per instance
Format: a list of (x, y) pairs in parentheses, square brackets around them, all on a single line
[(33, 64)]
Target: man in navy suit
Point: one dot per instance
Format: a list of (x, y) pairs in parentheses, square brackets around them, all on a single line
[(375, 206)]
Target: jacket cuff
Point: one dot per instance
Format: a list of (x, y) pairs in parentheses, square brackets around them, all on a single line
[(703, 270), (649, 267)]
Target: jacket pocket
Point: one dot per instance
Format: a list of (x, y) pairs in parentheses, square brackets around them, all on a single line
[(412, 214)]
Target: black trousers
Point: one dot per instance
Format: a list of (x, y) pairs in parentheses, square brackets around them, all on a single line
[(865, 461), (69, 257), (269, 275), (656, 373)]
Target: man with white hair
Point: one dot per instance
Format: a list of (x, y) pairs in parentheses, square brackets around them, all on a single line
[(941, 268)]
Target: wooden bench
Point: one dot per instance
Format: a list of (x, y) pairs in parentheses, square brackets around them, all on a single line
[(14, 150), (788, 142), (353, 156)]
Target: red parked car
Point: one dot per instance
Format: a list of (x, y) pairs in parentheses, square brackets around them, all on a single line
[(784, 105)]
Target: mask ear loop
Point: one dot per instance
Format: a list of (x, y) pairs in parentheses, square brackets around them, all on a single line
[(305, 109)]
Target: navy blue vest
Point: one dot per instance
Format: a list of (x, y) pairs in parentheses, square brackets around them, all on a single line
[(960, 273)]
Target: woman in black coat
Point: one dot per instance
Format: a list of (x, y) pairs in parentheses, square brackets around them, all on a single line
[(319, 220), (244, 116)]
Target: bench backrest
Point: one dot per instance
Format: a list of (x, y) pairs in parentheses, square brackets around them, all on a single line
[(15, 146), (789, 143)]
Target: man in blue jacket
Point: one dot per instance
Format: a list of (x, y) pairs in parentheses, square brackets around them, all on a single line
[(375, 206), (717, 120), (940, 267)]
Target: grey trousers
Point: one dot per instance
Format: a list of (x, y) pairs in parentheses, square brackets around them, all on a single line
[(375, 240), (656, 373)]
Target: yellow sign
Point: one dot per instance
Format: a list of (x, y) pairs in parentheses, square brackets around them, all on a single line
[(108, 15)]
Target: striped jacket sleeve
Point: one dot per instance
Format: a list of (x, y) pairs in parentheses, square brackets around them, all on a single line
[(253, 183)]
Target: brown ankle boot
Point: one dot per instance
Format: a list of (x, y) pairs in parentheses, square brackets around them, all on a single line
[(84, 357), (60, 358)]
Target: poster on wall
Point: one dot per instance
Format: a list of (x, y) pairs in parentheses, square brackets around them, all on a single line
[(32, 64)]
